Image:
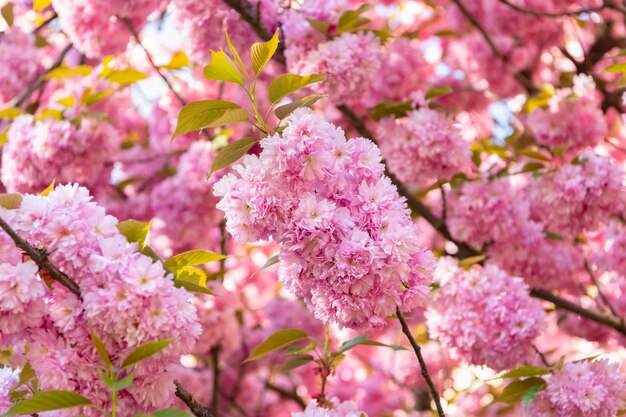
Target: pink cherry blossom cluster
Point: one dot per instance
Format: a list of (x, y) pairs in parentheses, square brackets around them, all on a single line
[(183, 205), (572, 119), (484, 316), (425, 146), (38, 151), (485, 211), (94, 26), (335, 409), (21, 62), (350, 62), (348, 245), (127, 298), (580, 196), (586, 388)]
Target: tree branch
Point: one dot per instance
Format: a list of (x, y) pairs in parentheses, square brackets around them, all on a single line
[(611, 321), (19, 100), (290, 395), (418, 352), (133, 32), (196, 408), (553, 14), (41, 259)]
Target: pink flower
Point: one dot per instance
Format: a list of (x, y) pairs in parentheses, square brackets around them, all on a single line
[(353, 260), (591, 389), (336, 408), (21, 63), (484, 316)]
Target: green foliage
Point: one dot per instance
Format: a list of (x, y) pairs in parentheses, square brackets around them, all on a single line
[(231, 153), (101, 349), (7, 14), (126, 76), (222, 68), (618, 67), (208, 113), (179, 60), (296, 361), (114, 384), (65, 72), (524, 371), (144, 352), (11, 113), (393, 108), (363, 340), (515, 391), (285, 110), (134, 231), (10, 201), (351, 20), (171, 412), (278, 340), (191, 258), (286, 84), (262, 52), (233, 51), (271, 261), (48, 401), (435, 92), (192, 279), (49, 188)]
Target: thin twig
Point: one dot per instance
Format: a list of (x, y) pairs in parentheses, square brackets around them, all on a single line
[(603, 296), (479, 27), (196, 408), (45, 23), (41, 259), (290, 395), (418, 352), (541, 356), (611, 321), (133, 32), (19, 100), (215, 396), (553, 14)]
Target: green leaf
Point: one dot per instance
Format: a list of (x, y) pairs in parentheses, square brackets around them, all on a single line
[(285, 110), (222, 68), (144, 352), (524, 371), (233, 51), (467, 262), (65, 72), (231, 153), (271, 261), (380, 344), (532, 166), (391, 108), (530, 394), (351, 343), (178, 61), (116, 385), (302, 349), (134, 231), (534, 154), (276, 341), (192, 258), (10, 201), (319, 25), (171, 412), (39, 5), (352, 19), (552, 236), (101, 349), (296, 361), (262, 52), (126, 76), (97, 97), (619, 67), (192, 279), (286, 84), (11, 113), (435, 92), (7, 14), (515, 391), (48, 189), (26, 374), (49, 401), (201, 114)]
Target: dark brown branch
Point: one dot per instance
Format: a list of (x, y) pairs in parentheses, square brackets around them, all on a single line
[(418, 352), (479, 27), (133, 32), (247, 13), (19, 100), (290, 395), (196, 408), (45, 23), (608, 320), (595, 282), (553, 14), (41, 259), (215, 395)]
